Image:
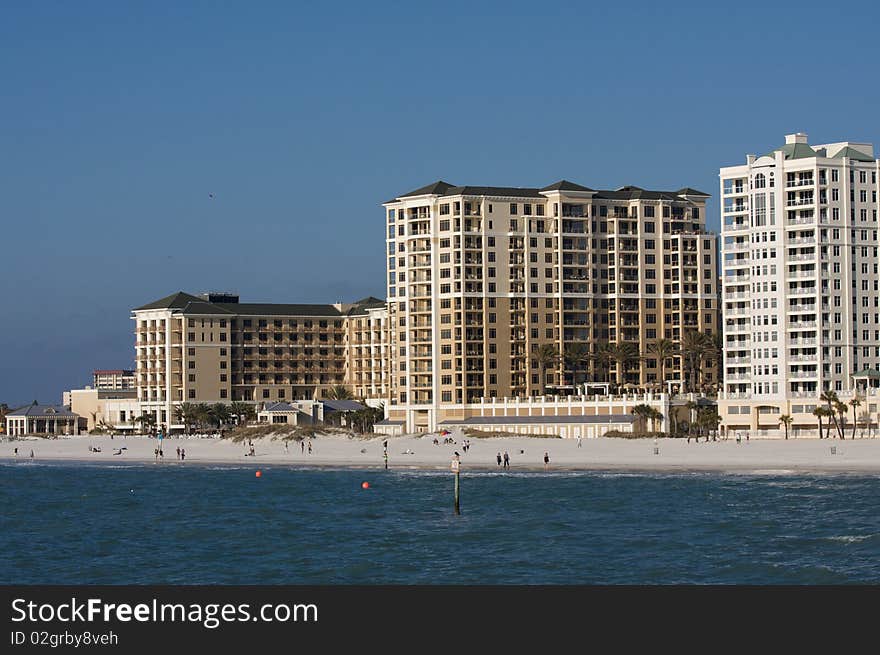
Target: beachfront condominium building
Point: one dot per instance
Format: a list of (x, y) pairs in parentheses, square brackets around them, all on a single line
[(800, 280), (212, 348), (115, 379), (482, 280)]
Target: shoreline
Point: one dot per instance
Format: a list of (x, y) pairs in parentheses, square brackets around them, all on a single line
[(411, 453)]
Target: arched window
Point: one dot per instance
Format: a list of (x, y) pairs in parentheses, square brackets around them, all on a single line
[(760, 181)]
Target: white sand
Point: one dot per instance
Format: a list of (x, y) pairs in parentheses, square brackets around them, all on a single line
[(334, 450)]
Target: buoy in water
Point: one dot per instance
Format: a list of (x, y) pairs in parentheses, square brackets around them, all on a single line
[(259, 474), (365, 485)]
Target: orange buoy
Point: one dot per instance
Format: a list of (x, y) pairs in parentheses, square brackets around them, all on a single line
[(365, 485), (259, 474)]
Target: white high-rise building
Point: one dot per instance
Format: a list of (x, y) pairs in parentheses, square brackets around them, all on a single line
[(800, 300)]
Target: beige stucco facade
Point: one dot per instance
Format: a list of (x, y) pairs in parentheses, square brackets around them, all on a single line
[(479, 278)]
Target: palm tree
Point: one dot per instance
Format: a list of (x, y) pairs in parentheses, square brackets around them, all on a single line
[(623, 354), (691, 408), (831, 398), (663, 349), (696, 346), (147, 422), (643, 412), (339, 392), (786, 420), (602, 360), (202, 414), (819, 412), (574, 355), (840, 409), (656, 415), (708, 418), (219, 414), (185, 413), (546, 355), (242, 411), (855, 402)]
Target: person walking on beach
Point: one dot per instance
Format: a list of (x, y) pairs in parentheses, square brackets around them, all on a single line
[(546, 460), (310, 446), (498, 458), (286, 449), (15, 452), (156, 453), (302, 446), (32, 454), (385, 456), (506, 460), (182, 454), (579, 441), (178, 452)]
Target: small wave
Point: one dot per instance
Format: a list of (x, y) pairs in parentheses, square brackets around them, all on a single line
[(850, 538)]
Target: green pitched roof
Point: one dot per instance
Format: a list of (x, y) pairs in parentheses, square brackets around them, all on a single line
[(867, 373), (852, 153), (795, 151)]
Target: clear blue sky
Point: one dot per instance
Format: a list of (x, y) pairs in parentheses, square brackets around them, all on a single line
[(118, 120)]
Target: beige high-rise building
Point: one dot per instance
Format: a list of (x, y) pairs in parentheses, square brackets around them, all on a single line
[(480, 278), (213, 348)]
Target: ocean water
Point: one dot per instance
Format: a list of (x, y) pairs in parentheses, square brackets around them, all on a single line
[(170, 524)]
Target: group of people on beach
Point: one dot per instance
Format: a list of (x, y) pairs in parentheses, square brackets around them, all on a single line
[(503, 462)]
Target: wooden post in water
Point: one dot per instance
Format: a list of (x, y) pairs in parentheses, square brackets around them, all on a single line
[(456, 466)]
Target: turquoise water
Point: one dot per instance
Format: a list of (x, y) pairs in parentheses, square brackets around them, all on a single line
[(142, 524)]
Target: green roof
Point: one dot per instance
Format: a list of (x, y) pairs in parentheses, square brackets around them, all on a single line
[(795, 151), (852, 153), (867, 373)]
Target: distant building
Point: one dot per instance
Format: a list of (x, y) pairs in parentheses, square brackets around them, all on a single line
[(115, 409), (44, 419), (114, 379), (214, 349)]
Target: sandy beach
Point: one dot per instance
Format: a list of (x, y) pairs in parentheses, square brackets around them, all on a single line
[(859, 455)]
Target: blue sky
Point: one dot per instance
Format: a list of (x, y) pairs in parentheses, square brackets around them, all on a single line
[(119, 119)]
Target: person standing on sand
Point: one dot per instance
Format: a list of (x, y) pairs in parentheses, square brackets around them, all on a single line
[(546, 460), (15, 452), (286, 449), (310, 446), (506, 460), (32, 454), (579, 441), (178, 452), (498, 458), (182, 454), (302, 446)]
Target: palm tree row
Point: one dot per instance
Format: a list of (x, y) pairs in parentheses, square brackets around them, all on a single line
[(203, 415), (696, 349)]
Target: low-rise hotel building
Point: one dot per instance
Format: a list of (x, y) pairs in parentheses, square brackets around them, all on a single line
[(212, 348)]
